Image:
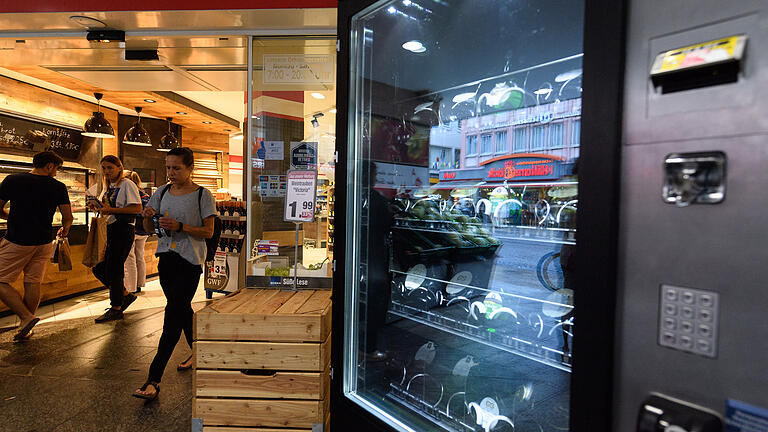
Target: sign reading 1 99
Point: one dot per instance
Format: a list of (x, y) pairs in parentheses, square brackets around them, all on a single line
[(301, 189)]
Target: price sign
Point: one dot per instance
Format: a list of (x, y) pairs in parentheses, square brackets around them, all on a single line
[(219, 268), (300, 196)]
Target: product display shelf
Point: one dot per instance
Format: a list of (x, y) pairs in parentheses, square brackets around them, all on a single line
[(262, 360), (430, 412), (539, 350), (331, 206), (234, 218)]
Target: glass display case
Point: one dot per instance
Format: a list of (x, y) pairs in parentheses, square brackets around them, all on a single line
[(461, 213), (76, 180)]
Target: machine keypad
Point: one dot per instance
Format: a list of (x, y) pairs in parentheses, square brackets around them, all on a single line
[(688, 320)]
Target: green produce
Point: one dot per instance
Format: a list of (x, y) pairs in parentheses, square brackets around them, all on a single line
[(278, 271)]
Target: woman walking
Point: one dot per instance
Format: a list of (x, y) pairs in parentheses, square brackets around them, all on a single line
[(186, 215), (135, 266), (121, 202)]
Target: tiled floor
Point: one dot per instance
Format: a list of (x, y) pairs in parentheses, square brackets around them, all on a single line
[(75, 375), (94, 304)]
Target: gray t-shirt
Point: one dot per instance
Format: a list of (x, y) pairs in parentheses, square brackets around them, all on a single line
[(189, 211)]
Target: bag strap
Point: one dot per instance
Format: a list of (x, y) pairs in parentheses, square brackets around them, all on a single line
[(200, 203), (162, 193)]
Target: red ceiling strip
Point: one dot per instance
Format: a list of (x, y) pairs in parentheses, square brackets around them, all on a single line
[(282, 116), (22, 6), (293, 96)]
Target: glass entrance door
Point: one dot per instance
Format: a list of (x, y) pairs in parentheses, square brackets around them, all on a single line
[(461, 213)]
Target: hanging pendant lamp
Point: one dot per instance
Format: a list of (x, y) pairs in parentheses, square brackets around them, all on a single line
[(97, 126), (169, 140), (137, 135)]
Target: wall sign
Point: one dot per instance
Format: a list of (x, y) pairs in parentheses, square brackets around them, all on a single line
[(300, 196), (66, 142), (273, 150), (303, 155), (512, 168), (298, 69)]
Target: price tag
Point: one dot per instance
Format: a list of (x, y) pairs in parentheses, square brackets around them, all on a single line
[(300, 196), (219, 268)]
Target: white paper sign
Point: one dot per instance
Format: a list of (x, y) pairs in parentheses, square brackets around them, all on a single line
[(274, 150), (219, 268), (301, 69), (300, 196)]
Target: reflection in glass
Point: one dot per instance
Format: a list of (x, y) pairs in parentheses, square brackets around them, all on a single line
[(462, 213)]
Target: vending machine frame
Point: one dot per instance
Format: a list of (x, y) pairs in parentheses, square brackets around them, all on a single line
[(597, 220)]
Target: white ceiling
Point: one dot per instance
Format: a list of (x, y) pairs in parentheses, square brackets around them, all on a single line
[(229, 103)]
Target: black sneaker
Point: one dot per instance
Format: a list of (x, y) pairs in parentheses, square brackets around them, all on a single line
[(110, 315), (127, 301)]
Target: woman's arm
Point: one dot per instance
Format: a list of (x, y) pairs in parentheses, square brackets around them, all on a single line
[(203, 232)]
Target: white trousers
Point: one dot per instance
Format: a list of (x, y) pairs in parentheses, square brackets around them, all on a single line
[(135, 267)]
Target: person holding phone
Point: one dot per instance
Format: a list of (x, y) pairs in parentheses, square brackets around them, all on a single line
[(185, 216), (120, 203)]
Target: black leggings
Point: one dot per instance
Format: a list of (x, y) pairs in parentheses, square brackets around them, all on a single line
[(179, 279), (111, 270)]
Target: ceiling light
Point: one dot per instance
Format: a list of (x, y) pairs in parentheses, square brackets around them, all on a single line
[(406, 2), (318, 95), (567, 76), (150, 100), (206, 122), (137, 135), (333, 111), (169, 140), (97, 126), (227, 130), (105, 36), (414, 46), (391, 9), (181, 112)]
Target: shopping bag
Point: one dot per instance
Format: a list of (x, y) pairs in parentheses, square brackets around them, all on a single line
[(64, 255), (55, 257), (96, 242)]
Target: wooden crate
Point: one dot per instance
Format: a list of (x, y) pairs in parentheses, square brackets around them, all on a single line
[(262, 361)]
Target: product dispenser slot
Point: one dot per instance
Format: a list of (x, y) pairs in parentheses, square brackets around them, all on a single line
[(694, 178), (702, 65), (663, 414)]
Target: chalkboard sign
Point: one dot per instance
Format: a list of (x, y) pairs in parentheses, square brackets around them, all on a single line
[(66, 142)]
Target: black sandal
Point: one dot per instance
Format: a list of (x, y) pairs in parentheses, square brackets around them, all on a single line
[(136, 394), (180, 367)]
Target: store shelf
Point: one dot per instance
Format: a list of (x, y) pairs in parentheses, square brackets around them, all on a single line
[(234, 218), (522, 233), (536, 350), (428, 411)]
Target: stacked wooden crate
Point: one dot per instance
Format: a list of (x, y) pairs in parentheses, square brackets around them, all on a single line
[(262, 360)]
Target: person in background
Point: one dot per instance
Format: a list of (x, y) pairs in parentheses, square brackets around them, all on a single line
[(34, 198), (186, 214), (121, 203), (135, 266)]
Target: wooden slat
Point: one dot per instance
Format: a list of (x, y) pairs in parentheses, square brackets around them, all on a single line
[(255, 412), (262, 355), (292, 305), (249, 429), (247, 302), (270, 306), (317, 303), (278, 385), (231, 301)]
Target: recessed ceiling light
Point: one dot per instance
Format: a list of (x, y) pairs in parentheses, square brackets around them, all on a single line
[(150, 100), (207, 122), (407, 2), (391, 9), (414, 46), (227, 130), (318, 95), (181, 112), (333, 111)]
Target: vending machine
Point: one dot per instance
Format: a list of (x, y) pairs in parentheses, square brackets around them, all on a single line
[(477, 295)]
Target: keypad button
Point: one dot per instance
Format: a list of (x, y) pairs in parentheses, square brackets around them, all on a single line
[(688, 297), (670, 309), (703, 345), (705, 315), (670, 323), (686, 326), (669, 338), (705, 330), (670, 294), (686, 342), (687, 312), (706, 300)]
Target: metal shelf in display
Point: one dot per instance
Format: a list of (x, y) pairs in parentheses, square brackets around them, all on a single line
[(233, 236), (234, 218), (533, 349)]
